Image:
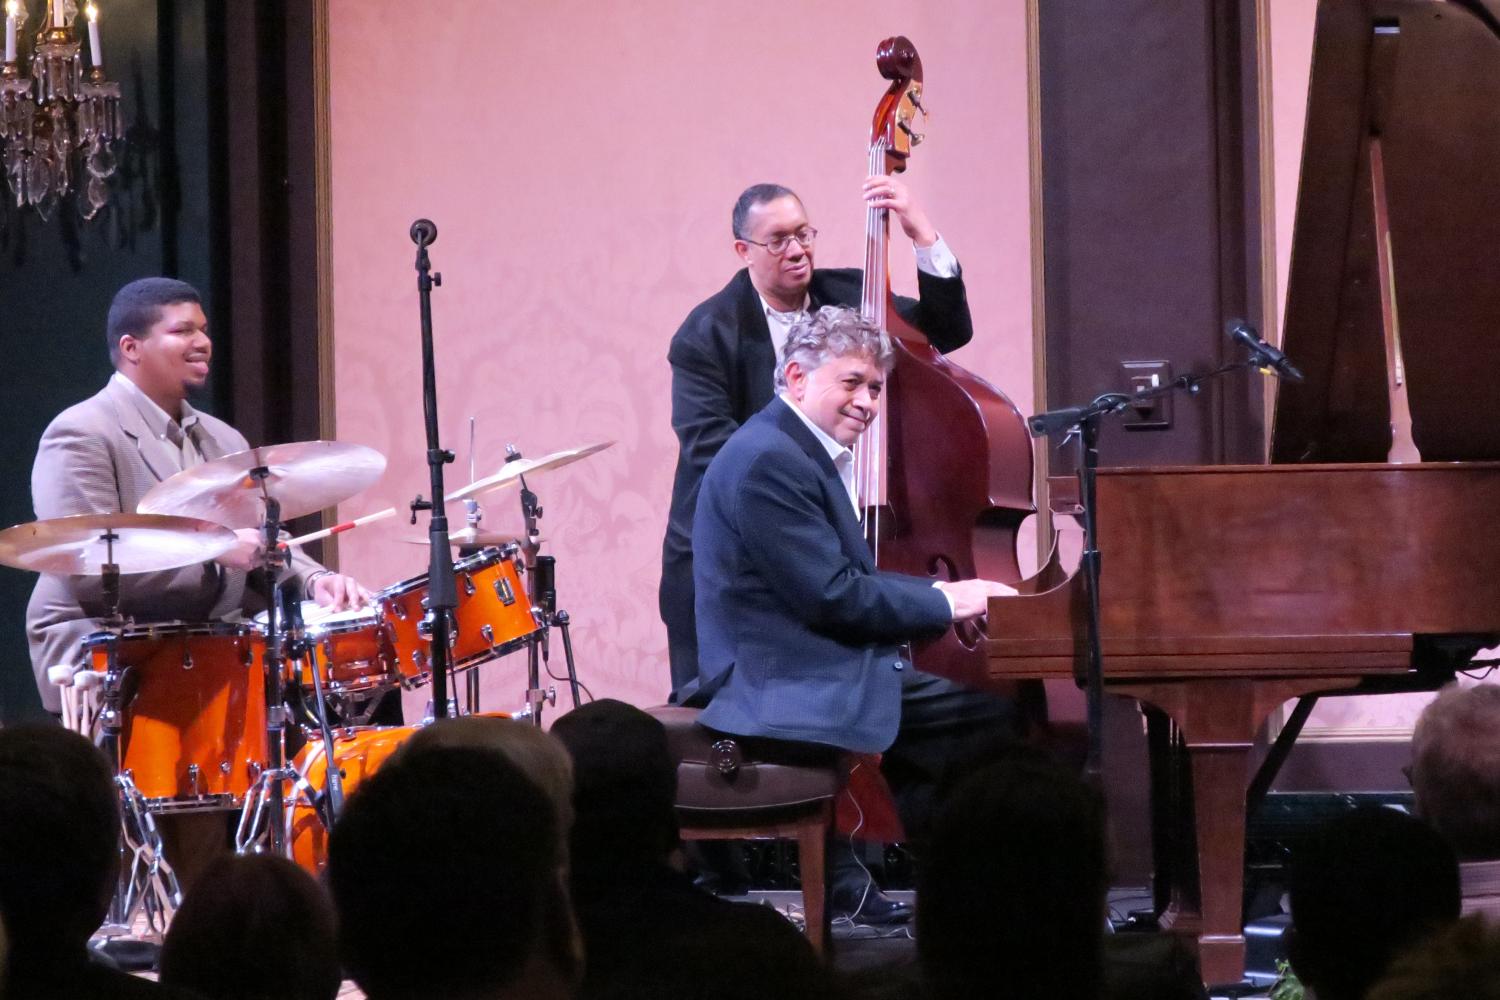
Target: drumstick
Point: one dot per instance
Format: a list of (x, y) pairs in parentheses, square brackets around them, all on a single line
[(338, 529), (358, 522)]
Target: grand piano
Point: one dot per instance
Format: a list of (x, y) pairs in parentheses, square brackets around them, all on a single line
[(1361, 558)]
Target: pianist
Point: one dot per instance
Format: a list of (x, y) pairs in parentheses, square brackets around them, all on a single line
[(800, 636)]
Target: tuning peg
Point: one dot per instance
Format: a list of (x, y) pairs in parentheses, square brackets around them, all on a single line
[(916, 137)]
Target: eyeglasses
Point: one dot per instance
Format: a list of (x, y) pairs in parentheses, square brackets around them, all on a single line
[(778, 244)]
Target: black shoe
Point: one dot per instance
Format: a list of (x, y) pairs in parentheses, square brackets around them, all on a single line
[(853, 903)]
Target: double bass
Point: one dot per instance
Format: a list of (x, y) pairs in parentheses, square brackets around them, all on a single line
[(945, 472)]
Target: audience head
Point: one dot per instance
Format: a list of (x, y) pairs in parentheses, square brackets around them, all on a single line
[(1013, 887), (59, 840), (1455, 769), (535, 753), (625, 787), (256, 928), (1462, 960), (447, 872), (1364, 887)]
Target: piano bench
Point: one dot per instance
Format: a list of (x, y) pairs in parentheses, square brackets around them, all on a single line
[(730, 788)]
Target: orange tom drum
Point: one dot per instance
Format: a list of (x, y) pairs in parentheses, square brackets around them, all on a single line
[(493, 616), (193, 701)]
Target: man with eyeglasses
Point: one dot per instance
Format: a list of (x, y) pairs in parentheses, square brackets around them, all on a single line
[(724, 355), (724, 358)]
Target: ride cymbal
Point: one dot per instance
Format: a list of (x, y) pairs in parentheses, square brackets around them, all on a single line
[(302, 477)]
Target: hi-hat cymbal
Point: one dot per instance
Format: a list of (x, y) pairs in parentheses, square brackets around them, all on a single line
[(138, 543), (303, 477), (465, 538), (513, 471)]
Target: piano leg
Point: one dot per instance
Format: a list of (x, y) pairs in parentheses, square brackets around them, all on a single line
[(1218, 720)]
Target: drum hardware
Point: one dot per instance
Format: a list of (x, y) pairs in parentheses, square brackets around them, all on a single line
[(334, 799), (267, 796), (97, 545), (260, 488), (147, 886), (542, 573)]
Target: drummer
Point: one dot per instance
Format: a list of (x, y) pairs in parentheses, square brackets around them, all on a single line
[(102, 455)]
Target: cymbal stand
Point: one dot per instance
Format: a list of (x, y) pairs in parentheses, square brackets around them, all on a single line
[(330, 803), (473, 514), (541, 573), (262, 826), (145, 884)]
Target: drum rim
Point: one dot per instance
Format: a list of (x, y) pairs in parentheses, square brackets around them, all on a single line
[(172, 628), (483, 559)]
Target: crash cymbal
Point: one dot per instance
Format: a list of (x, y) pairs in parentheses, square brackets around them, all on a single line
[(304, 477), (513, 471), (141, 543), (464, 538)]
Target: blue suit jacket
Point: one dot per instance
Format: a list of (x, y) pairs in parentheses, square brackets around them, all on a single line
[(799, 634)]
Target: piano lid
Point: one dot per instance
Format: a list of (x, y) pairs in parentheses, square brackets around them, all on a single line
[(1423, 76)]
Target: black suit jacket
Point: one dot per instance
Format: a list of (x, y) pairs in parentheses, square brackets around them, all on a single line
[(723, 368)]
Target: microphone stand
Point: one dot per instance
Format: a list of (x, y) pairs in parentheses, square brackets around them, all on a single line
[(442, 592), (1082, 423)]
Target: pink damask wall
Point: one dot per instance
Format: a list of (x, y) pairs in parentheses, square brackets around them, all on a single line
[(580, 159)]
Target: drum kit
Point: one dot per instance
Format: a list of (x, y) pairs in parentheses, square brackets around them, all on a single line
[(197, 715)]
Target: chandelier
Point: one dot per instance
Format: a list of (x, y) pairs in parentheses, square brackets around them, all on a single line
[(57, 126)]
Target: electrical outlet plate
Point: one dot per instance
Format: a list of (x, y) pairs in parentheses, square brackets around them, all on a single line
[(1151, 414)]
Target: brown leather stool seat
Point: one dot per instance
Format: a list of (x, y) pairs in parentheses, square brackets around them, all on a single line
[(733, 789)]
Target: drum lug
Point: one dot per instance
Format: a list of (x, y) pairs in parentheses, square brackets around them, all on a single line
[(254, 767), (223, 767), (187, 659), (488, 632), (505, 591), (468, 585), (195, 786)]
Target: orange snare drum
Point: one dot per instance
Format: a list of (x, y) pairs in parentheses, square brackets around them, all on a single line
[(359, 753), (193, 701), (493, 616), (349, 649)]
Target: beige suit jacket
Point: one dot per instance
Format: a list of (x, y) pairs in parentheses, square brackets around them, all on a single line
[(99, 457)]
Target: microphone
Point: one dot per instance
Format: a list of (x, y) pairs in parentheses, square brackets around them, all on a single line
[(1267, 356), (423, 232), (1043, 424)]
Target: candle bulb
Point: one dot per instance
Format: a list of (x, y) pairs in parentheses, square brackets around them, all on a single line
[(95, 51), (58, 14), (10, 31)]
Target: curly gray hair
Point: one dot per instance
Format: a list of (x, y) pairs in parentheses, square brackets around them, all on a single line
[(833, 332)]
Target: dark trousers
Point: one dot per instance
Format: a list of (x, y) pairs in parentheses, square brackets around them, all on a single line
[(675, 600)]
